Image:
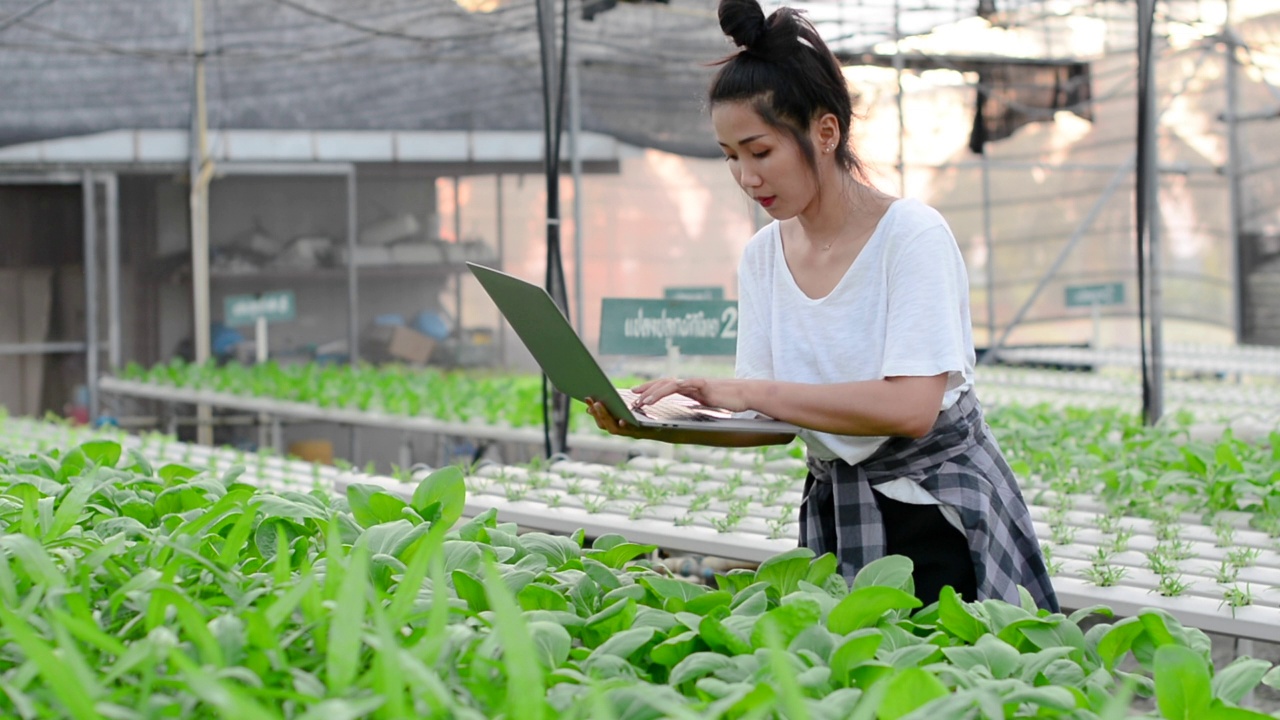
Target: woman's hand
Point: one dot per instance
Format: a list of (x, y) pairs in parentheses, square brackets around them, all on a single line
[(718, 393), (607, 422)]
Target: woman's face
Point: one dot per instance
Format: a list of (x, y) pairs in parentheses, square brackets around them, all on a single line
[(766, 162)]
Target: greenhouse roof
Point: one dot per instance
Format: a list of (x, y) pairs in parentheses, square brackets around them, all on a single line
[(82, 67)]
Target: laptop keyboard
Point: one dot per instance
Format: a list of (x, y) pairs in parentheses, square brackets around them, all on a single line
[(674, 407)]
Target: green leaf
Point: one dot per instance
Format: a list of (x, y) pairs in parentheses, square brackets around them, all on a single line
[(270, 530), (552, 643), (358, 499), (604, 624), (536, 596), (618, 555), (990, 652), (671, 651), (70, 506), (703, 604), (342, 709), (626, 643), (822, 568), (392, 537), (892, 571), (1272, 678), (1225, 712), (39, 566), (672, 594), (1117, 641), (347, 623), (1183, 690), (788, 621), (955, 617), (1239, 678), (719, 637), (557, 549), (698, 665), (526, 686), (785, 570), (77, 700), (471, 589), (445, 486), (815, 639), (736, 580), (865, 606), (173, 474), (859, 648), (910, 689)]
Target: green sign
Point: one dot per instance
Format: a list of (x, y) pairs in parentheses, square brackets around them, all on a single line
[(1098, 294), (693, 293), (275, 306), (649, 326)]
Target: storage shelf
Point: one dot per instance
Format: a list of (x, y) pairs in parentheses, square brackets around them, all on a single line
[(317, 274)]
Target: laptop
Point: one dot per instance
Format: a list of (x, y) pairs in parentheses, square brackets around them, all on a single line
[(574, 371)]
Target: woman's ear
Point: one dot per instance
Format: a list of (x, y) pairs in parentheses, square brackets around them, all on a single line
[(826, 133)]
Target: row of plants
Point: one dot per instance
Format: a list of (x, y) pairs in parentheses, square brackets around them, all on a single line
[(1152, 471), (1169, 556), (492, 398), (130, 589), (1107, 453)]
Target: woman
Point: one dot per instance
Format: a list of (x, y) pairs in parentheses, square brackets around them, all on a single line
[(854, 325)]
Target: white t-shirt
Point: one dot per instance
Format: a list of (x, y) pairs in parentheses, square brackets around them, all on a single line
[(902, 308)]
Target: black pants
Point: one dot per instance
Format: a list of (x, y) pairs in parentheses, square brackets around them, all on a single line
[(939, 551)]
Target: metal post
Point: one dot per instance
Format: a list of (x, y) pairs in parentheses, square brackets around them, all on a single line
[(991, 246), (902, 119), (1150, 168), (457, 237), (502, 250), (353, 277), (1234, 160), (353, 295), (200, 173), (575, 160), (91, 290), (111, 188)]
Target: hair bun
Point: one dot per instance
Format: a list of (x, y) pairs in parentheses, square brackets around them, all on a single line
[(744, 22)]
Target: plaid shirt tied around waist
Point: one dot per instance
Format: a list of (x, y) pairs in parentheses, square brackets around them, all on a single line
[(959, 464)]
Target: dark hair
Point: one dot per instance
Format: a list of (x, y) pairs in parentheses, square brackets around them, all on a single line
[(787, 73)]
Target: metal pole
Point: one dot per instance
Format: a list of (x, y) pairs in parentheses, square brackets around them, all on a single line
[(353, 276), (1076, 236), (1154, 407), (991, 246), (457, 237), (353, 295), (902, 118), (111, 186), (1236, 196), (91, 290), (200, 173), (575, 160), (502, 254)]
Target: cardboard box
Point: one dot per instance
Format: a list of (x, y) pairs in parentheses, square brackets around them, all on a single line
[(398, 342)]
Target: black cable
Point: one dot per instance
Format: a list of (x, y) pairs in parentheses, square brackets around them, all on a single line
[(17, 17), (1141, 218)]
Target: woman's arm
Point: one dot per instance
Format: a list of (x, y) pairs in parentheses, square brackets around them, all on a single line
[(898, 406), (683, 437)]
